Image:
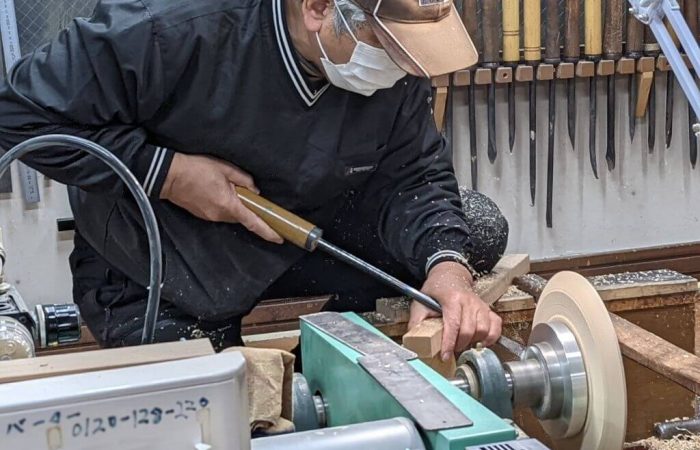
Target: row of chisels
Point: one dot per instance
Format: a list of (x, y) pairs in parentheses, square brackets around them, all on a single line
[(614, 43)]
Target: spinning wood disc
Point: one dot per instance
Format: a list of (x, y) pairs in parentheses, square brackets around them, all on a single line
[(569, 299)]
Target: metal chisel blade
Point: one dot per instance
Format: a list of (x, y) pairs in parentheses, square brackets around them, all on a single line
[(571, 110), (493, 151), (610, 149), (631, 105), (693, 141), (593, 89), (532, 94), (472, 136), (550, 152), (651, 137), (511, 116), (670, 81)]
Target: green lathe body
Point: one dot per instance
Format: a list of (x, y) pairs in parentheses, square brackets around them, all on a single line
[(353, 396)]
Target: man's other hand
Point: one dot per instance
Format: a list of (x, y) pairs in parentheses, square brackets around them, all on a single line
[(466, 318), (206, 187)]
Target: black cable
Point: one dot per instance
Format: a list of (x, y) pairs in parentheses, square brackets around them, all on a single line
[(59, 140)]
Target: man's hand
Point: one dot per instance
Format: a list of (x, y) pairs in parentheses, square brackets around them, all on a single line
[(206, 187), (466, 318)]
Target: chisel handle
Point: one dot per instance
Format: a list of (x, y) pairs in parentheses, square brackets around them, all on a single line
[(470, 20), (651, 46), (489, 20), (690, 11), (635, 37), (594, 21), (288, 225), (532, 10), (612, 45), (552, 50), (511, 31), (572, 34)]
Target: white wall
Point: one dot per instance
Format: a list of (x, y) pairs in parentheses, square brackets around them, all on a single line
[(37, 254), (649, 200)]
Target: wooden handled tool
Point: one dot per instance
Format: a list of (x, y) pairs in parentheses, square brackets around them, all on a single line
[(308, 236), (593, 52), (572, 53), (532, 55), (492, 47), (670, 83), (469, 19), (691, 16), (511, 57), (612, 48), (551, 56), (633, 50), (651, 49)]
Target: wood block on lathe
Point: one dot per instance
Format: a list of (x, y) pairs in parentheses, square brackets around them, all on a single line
[(441, 81), (425, 339)]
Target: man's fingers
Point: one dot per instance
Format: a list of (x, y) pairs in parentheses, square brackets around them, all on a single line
[(419, 313), (467, 330), (482, 325), (451, 318), (240, 178), (495, 329)]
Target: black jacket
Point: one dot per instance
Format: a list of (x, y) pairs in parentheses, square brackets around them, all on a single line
[(146, 78)]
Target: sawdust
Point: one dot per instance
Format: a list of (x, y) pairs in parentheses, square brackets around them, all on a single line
[(375, 318), (677, 443)]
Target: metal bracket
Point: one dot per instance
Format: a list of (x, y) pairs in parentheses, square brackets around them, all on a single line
[(652, 13), (12, 54)]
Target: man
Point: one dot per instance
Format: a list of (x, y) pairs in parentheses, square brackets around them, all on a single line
[(322, 106)]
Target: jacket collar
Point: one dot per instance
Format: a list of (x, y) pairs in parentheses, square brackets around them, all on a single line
[(304, 87)]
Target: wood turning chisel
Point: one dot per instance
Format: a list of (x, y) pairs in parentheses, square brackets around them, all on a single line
[(511, 57), (469, 19), (551, 56), (670, 82), (572, 53), (633, 50), (651, 49), (593, 51), (612, 51), (492, 49), (691, 16), (309, 237), (532, 55)]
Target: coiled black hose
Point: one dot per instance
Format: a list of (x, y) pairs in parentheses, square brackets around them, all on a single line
[(149, 218)]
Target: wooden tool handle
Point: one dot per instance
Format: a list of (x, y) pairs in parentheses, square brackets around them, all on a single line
[(288, 225), (651, 47), (612, 45), (511, 31), (594, 29), (470, 20), (489, 21), (552, 49), (690, 12), (635, 37), (532, 9), (572, 34)]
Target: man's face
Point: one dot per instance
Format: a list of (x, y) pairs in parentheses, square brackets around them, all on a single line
[(339, 47)]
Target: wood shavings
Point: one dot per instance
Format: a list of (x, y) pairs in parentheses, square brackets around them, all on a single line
[(677, 443)]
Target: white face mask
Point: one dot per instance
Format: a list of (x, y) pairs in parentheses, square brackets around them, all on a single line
[(368, 70)]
